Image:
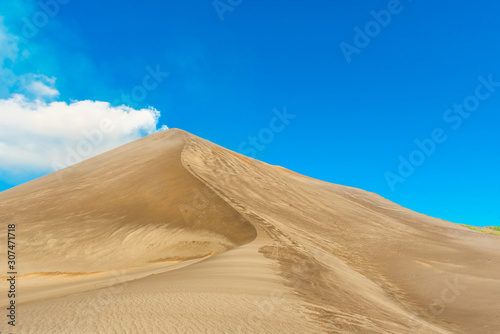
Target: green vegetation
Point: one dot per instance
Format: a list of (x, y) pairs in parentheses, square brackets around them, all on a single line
[(487, 229)]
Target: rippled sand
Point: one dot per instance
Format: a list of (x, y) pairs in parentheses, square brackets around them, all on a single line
[(174, 234)]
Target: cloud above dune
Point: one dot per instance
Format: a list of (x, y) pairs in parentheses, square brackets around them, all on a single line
[(40, 136)]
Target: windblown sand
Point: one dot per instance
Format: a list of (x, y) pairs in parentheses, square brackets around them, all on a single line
[(174, 234)]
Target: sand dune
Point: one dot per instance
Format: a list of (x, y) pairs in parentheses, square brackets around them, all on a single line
[(174, 234)]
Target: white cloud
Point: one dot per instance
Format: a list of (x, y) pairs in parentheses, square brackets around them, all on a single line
[(8, 54), (36, 136), (8, 43), (32, 85), (38, 86), (40, 89)]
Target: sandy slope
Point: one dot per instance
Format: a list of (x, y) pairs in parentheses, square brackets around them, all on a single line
[(174, 234)]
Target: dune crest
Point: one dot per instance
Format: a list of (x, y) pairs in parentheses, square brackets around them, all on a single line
[(172, 233)]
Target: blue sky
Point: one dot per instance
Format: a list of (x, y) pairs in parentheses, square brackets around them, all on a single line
[(230, 70)]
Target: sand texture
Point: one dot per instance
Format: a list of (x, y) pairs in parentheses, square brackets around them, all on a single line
[(174, 234)]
